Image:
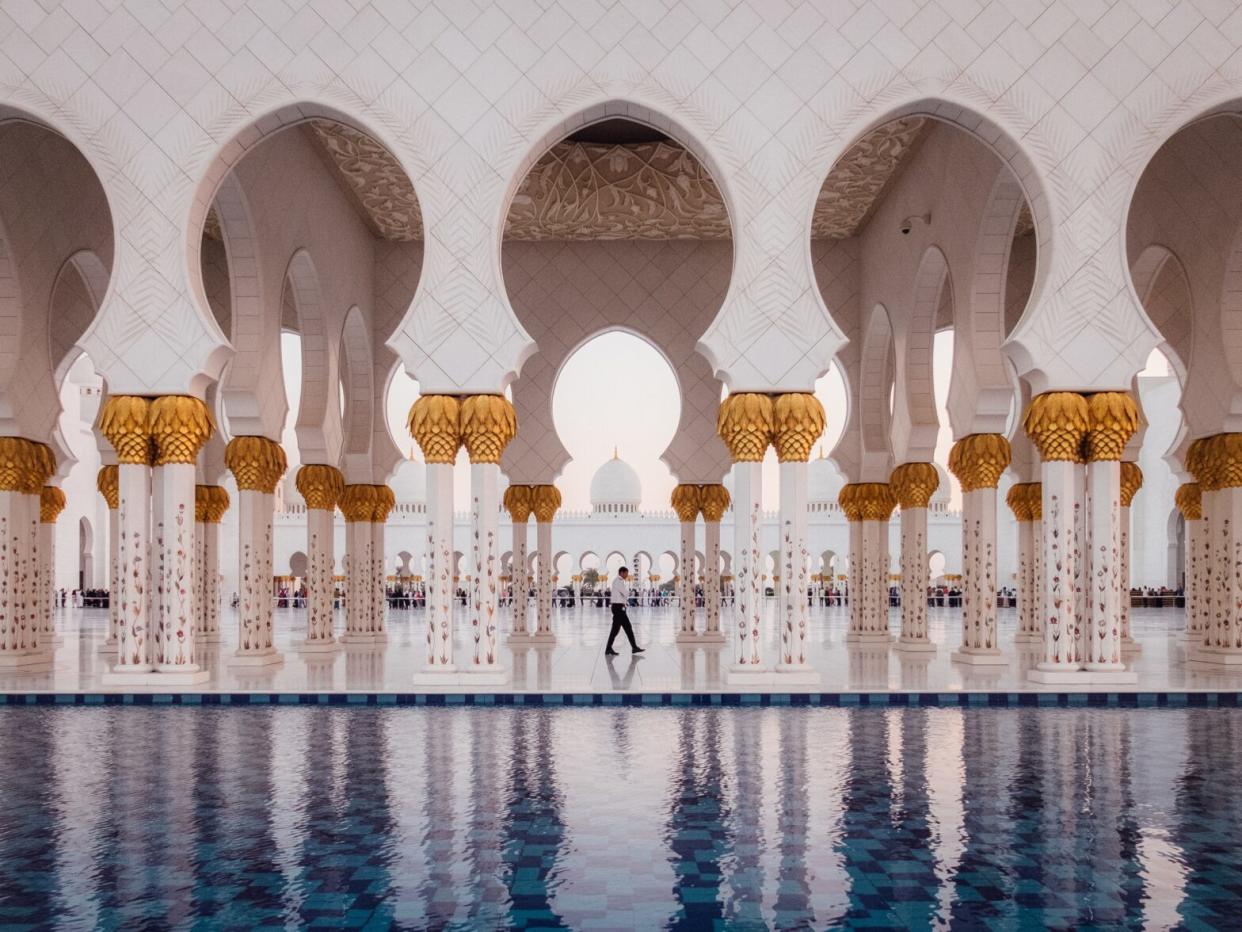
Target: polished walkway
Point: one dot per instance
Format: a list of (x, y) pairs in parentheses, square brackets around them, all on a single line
[(620, 819), (577, 663)]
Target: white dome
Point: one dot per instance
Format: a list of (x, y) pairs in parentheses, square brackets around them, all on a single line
[(941, 495), (616, 483), (823, 481), (409, 483)]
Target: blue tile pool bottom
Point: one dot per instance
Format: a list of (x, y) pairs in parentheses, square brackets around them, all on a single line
[(1003, 700), (860, 815)]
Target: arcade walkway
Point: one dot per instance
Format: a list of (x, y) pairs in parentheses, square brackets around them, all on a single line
[(576, 664)]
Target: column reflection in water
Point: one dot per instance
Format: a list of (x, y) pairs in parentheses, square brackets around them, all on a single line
[(645, 818), (695, 832)]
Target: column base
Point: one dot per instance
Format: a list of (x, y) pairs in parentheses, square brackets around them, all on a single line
[(532, 640), (267, 658), (209, 636), (1066, 677), (687, 637), (363, 639), (12, 660), (487, 676), (1131, 646), (795, 674), (320, 646), (712, 638), (980, 657), (748, 675), (868, 637), (915, 645), (171, 676), (1026, 637), (441, 676), (1216, 656)]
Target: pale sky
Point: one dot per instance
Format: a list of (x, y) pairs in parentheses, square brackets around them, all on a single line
[(619, 391)]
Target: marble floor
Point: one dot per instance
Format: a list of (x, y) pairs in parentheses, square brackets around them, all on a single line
[(576, 664)]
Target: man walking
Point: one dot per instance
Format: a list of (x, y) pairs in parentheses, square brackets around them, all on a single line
[(619, 599)]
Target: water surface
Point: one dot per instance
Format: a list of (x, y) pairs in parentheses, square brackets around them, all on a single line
[(619, 818)]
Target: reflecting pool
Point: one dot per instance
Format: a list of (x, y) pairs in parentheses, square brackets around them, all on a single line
[(620, 818)]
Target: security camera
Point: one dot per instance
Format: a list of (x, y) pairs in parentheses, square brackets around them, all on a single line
[(909, 223)]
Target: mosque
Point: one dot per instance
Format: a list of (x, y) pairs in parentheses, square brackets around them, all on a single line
[(465, 211)]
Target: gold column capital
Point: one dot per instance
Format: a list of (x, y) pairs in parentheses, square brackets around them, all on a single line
[(685, 501), (488, 423), (1057, 423), (1024, 500), (714, 501), (913, 484), (545, 500), (867, 501), (978, 460), (357, 503), (257, 463), (435, 423), (43, 469), (51, 503), (383, 502), (1189, 501), (1224, 454), (108, 484), (179, 426), (1112, 421), (745, 424), (1131, 482), (321, 486), (17, 464), (200, 504), (517, 501), (125, 421), (1199, 464), (797, 422), (215, 502)]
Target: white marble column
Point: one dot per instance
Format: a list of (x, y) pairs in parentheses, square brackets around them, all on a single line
[(18, 630), (792, 608), (747, 569), (853, 514), (485, 571), (545, 501), (1057, 424), (357, 504), (385, 501), (51, 503), (1222, 644), (1189, 503), (321, 488), (1131, 482), (745, 424), (913, 485), (488, 423), (106, 483), (215, 504), (1023, 500), (257, 464), (978, 461), (797, 424), (1113, 420), (714, 501), (436, 424), (124, 422), (685, 502), (517, 502), (180, 425), (439, 609)]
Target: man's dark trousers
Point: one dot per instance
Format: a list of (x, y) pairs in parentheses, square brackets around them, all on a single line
[(621, 622)]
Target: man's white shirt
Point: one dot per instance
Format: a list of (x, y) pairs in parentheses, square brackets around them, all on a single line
[(620, 592)]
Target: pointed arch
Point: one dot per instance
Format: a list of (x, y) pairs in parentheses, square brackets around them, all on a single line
[(875, 383), (915, 421), (319, 428), (358, 377)]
